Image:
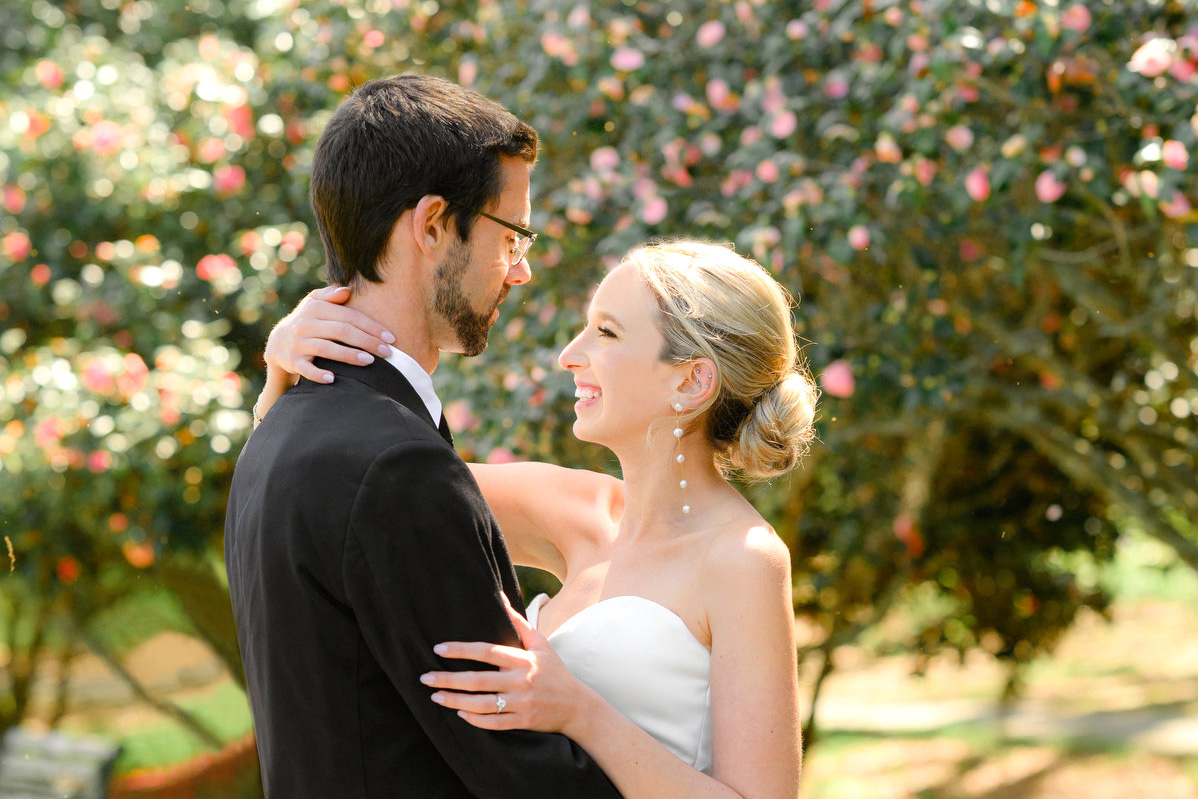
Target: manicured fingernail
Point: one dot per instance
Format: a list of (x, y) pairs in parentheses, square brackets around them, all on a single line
[(387, 337), (327, 377), (365, 358), (385, 351), (440, 649), (427, 679), (438, 697)]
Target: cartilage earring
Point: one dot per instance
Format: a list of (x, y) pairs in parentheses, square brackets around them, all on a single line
[(679, 458)]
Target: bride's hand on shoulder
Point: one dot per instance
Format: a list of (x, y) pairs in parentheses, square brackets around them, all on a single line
[(323, 326), (538, 691)]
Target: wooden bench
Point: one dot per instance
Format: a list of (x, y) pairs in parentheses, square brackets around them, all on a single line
[(54, 766)]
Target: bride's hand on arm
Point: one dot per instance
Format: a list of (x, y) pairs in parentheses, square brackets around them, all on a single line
[(541, 694), (320, 326)]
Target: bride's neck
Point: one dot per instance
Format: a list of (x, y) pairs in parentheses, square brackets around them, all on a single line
[(653, 496)]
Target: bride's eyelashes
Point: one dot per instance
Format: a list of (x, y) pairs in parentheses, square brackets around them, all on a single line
[(606, 332)]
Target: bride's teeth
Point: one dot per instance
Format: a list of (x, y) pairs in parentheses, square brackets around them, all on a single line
[(585, 393)]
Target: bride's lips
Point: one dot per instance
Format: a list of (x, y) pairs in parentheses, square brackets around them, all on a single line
[(587, 393)]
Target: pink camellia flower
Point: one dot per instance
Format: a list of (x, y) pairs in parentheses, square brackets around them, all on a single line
[(836, 87), (796, 29), (654, 211), (213, 266), (925, 171), (228, 180), (14, 199), (1048, 188), (1184, 69), (554, 44), (736, 180), (467, 73), (99, 461), (48, 74), (710, 33), (767, 171), (294, 239), (135, 375), (859, 237), (240, 119), (1150, 183), (1177, 207), (977, 183), (501, 455), (17, 246), (47, 433), (783, 125), (1076, 18), (107, 137), (97, 377), (1153, 58), (1175, 155), (959, 137), (211, 150), (720, 97), (605, 159), (626, 59), (837, 379), (459, 416)]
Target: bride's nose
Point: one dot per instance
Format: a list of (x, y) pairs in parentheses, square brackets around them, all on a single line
[(572, 356)]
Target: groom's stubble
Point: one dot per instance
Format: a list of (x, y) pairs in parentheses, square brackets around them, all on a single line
[(450, 301)]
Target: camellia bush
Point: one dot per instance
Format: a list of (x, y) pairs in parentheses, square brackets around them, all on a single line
[(985, 211)]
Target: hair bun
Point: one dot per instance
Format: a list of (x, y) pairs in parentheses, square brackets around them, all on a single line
[(779, 428)]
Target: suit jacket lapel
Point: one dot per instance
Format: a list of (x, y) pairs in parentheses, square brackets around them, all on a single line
[(386, 379)]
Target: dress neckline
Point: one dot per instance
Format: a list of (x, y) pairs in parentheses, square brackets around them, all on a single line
[(541, 599)]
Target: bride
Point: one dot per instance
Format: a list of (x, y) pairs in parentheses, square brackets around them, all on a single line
[(668, 654)]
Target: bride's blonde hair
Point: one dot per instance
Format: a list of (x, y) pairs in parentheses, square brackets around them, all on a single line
[(718, 305)]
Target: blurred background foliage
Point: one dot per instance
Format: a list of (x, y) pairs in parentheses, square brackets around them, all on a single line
[(985, 208)]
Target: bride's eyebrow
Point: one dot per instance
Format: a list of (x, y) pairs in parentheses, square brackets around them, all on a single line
[(606, 317)]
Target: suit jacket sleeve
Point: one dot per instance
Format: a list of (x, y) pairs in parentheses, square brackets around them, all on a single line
[(420, 568)]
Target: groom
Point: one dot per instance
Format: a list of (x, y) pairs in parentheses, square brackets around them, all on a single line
[(356, 538)]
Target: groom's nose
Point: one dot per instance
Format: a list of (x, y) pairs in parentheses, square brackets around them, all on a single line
[(519, 274)]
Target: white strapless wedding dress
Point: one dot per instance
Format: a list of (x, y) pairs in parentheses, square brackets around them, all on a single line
[(643, 659)]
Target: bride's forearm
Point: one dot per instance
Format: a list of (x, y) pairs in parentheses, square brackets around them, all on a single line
[(638, 765), (277, 383)]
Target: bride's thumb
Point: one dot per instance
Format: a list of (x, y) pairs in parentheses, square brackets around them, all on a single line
[(528, 633)]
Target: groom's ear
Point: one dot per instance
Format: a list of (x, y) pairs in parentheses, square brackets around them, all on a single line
[(430, 223), (696, 382)]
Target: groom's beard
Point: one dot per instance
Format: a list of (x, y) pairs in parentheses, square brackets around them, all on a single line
[(470, 327)]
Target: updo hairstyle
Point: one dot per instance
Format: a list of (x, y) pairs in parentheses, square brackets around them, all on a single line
[(719, 305)]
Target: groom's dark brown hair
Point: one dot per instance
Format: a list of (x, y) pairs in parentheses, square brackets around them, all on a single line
[(394, 141)]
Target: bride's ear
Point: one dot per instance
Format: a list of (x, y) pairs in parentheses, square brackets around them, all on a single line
[(697, 382)]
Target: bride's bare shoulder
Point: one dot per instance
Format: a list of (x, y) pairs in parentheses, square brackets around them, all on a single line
[(747, 552)]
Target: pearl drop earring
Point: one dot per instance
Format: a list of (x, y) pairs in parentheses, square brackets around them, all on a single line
[(679, 458)]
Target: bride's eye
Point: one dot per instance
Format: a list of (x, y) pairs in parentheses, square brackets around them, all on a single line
[(606, 332)]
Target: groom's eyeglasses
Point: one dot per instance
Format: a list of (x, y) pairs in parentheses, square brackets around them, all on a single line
[(524, 238)]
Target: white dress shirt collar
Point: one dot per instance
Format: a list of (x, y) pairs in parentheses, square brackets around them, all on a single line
[(421, 380)]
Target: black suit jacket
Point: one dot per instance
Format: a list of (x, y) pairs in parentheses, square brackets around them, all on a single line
[(355, 540)]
